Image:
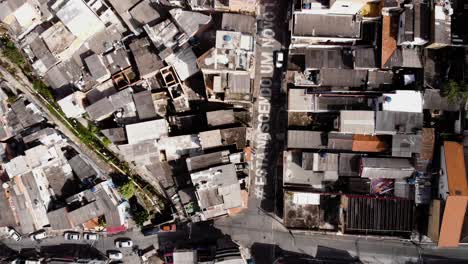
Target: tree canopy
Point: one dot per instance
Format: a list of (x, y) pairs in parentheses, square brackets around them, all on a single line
[(456, 92)]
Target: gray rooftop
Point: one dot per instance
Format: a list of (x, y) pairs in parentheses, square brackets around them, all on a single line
[(42, 53), (239, 83), (357, 122), (123, 5), (220, 117), (97, 68), (144, 13), (144, 105), (148, 63), (343, 77), (340, 141), (326, 25), (117, 60), (100, 110), (388, 168), (162, 172), (115, 135), (238, 22), (315, 58), (303, 139), (234, 136), (59, 219), (87, 212), (207, 160), (184, 63), (389, 122), (349, 165), (142, 153), (59, 178), (406, 145), (379, 78), (81, 168), (187, 195), (190, 22), (365, 58), (310, 169)]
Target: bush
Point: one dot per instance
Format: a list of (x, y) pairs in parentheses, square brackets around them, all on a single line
[(12, 53), (44, 90), (141, 217), (455, 92), (127, 190)]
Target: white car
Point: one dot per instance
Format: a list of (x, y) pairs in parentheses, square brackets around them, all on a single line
[(13, 234), (115, 255), (124, 243), (90, 236), (38, 235), (279, 59), (71, 236)]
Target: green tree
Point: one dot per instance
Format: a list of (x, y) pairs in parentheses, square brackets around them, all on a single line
[(141, 217), (127, 190), (455, 92), (11, 52)]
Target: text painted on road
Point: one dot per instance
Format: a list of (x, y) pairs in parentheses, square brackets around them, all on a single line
[(262, 134)]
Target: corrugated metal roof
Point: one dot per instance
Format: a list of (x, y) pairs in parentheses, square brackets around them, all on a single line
[(452, 222), (377, 215), (390, 122), (305, 139), (340, 141), (144, 105), (220, 117), (365, 58), (349, 164), (357, 122), (389, 168), (456, 171), (238, 22), (343, 77), (326, 25), (239, 83), (406, 145), (379, 78)]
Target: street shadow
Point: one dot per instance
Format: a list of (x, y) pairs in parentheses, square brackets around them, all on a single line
[(190, 236), (269, 253), (72, 251), (432, 259)]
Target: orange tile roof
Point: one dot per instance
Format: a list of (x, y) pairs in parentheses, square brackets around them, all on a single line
[(452, 223), (456, 172), (389, 37), (368, 143)]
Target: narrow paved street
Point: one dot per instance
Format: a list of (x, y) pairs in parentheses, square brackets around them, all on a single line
[(259, 226), (104, 243)]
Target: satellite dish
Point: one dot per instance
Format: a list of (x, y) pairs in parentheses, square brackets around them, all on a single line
[(5, 185)]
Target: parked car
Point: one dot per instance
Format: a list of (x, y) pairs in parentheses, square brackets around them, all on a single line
[(71, 235), (39, 235), (13, 234), (168, 228), (90, 236), (123, 243), (279, 59), (116, 255)]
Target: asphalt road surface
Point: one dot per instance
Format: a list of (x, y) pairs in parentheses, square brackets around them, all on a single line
[(259, 226), (104, 244)]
